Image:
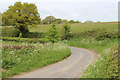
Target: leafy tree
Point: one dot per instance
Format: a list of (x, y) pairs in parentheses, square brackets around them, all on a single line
[(44, 22), (67, 31), (49, 20), (58, 21), (64, 21), (21, 15), (53, 35), (98, 22), (71, 21), (77, 22)]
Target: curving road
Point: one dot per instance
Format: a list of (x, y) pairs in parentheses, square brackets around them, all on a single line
[(72, 67)]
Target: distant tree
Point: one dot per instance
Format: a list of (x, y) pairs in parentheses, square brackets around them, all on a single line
[(58, 21), (64, 21), (98, 22), (53, 35), (44, 21), (21, 15), (71, 21), (77, 22), (49, 20), (67, 31)]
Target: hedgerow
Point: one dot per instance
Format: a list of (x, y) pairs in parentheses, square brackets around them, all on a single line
[(112, 63), (10, 32), (28, 40)]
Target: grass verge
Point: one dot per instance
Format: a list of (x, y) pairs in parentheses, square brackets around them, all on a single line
[(17, 60), (99, 67)]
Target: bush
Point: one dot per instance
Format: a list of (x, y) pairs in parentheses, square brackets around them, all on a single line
[(67, 31), (28, 40), (112, 63), (53, 35), (35, 35), (107, 35), (10, 32), (14, 32)]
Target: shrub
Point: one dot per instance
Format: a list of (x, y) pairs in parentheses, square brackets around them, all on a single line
[(67, 31), (10, 32), (53, 34), (28, 40), (34, 35), (14, 32), (107, 35), (112, 63)]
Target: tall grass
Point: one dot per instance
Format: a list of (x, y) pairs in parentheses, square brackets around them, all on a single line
[(17, 59), (99, 67)]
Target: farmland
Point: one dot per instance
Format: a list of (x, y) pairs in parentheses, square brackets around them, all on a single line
[(101, 38)]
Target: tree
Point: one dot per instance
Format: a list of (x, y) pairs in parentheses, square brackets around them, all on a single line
[(53, 35), (71, 21), (67, 31), (64, 21), (58, 21), (77, 21), (21, 15), (49, 20), (44, 21)]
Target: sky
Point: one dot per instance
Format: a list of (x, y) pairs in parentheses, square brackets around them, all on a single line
[(81, 10)]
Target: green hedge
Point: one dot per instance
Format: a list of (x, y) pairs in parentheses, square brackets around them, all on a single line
[(10, 32), (112, 63), (29, 40), (107, 35), (14, 32), (35, 35)]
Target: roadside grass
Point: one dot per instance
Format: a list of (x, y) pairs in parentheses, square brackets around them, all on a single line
[(98, 68), (15, 60)]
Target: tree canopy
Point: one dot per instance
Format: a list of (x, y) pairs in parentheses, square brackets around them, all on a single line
[(58, 21), (21, 15), (71, 21), (49, 20)]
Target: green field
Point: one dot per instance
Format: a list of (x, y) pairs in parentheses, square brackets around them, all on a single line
[(100, 38), (77, 28)]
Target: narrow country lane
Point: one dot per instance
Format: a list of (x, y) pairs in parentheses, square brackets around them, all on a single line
[(72, 67)]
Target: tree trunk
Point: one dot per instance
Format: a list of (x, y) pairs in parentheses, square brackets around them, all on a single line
[(24, 31)]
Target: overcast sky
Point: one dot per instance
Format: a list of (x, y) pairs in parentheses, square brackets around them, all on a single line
[(82, 10)]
